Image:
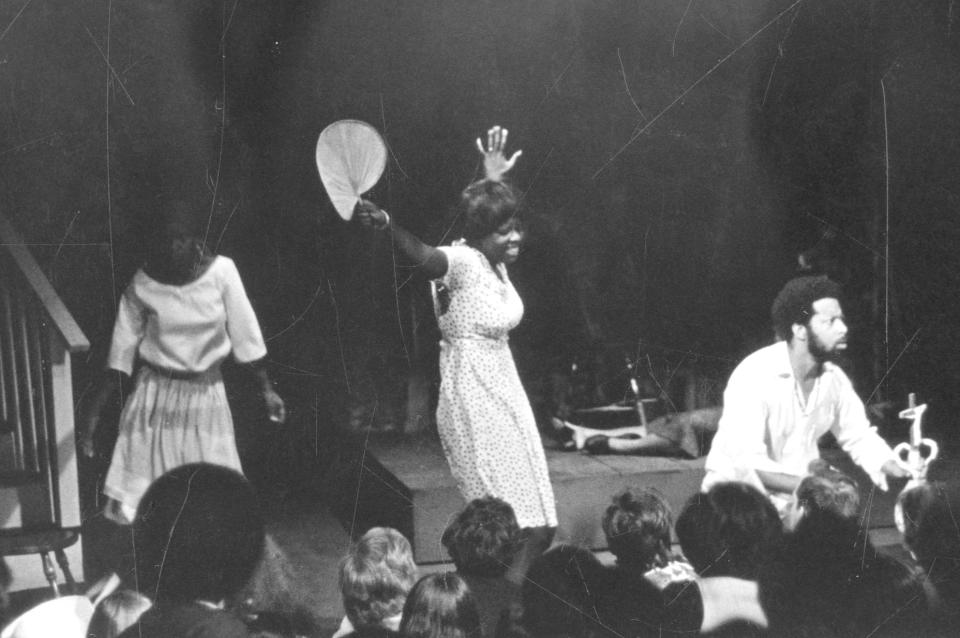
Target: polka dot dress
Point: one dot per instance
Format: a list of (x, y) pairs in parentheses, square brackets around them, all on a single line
[(484, 418)]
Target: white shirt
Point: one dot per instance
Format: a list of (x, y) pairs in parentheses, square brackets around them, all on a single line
[(727, 599), (188, 328), (766, 425)]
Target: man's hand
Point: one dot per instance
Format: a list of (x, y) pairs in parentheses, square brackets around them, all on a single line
[(894, 470)]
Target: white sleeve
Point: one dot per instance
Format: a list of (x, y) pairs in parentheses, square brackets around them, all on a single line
[(242, 325), (857, 437), (458, 265), (128, 331)]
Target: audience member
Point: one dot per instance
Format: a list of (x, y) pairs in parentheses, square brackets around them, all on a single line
[(115, 613), (440, 606), (727, 534), (198, 535), (375, 576), (638, 525), (933, 538), (482, 541), (728, 531), (828, 579), (559, 597), (825, 489)]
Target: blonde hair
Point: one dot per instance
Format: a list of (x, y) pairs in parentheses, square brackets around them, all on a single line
[(376, 575)]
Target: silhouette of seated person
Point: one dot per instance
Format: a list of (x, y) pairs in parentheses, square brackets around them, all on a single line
[(198, 535)]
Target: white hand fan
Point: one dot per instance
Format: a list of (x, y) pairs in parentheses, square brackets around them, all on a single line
[(351, 157)]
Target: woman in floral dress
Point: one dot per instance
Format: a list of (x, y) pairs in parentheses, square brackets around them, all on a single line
[(486, 425)]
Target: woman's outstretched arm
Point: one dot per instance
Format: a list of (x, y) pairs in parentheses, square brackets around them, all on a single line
[(431, 261)]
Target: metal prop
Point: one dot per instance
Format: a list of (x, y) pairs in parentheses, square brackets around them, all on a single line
[(914, 456)]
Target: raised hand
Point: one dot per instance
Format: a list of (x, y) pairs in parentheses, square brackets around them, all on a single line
[(495, 163)]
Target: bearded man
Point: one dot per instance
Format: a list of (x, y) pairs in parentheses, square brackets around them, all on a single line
[(782, 398)]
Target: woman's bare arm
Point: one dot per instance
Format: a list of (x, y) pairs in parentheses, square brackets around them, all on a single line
[(429, 259)]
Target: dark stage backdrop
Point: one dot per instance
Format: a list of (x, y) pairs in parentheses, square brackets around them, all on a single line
[(678, 156)]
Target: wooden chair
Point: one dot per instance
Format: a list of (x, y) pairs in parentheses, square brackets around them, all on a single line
[(43, 541)]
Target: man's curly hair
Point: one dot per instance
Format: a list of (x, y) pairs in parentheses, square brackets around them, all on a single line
[(794, 302)]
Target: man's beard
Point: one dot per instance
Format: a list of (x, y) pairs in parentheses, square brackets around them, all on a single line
[(819, 352)]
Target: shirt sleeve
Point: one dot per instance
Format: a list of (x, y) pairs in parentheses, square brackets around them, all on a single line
[(856, 436), (740, 443), (128, 331), (242, 325)]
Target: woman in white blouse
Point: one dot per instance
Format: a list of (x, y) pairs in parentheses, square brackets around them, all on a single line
[(183, 313)]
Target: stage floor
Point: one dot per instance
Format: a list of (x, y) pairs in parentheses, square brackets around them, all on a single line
[(405, 483)]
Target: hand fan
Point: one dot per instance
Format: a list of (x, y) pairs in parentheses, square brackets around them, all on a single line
[(351, 157)]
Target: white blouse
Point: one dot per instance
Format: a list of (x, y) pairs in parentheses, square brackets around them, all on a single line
[(189, 328)]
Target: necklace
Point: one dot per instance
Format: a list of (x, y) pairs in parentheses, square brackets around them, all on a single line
[(810, 400)]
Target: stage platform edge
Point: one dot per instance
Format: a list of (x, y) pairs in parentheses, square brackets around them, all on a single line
[(406, 483)]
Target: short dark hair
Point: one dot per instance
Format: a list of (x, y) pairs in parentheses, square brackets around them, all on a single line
[(483, 538), (729, 530), (485, 206), (559, 593), (637, 526), (440, 606), (930, 529), (794, 302), (199, 534)]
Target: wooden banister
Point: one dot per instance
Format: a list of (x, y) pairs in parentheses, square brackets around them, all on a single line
[(73, 337)]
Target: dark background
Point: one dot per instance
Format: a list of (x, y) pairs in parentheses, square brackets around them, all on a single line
[(678, 156)]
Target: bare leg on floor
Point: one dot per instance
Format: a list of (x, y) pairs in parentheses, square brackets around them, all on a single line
[(651, 444), (581, 433)]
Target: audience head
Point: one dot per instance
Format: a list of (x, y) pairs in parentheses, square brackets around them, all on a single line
[(486, 205), (559, 594), (829, 579), (199, 534), (931, 532), (729, 530), (440, 606), (825, 489), (638, 525), (376, 575), (483, 538), (373, 632), (115, 613), (794, 302)]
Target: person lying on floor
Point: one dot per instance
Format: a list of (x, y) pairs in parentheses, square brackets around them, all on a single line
[(680, 434)]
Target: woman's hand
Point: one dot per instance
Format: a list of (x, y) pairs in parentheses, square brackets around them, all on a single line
[(87, 447), (370, 215), (495, 163), (276, 410)]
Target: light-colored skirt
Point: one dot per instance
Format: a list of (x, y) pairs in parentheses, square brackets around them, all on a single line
[(167, 422)]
